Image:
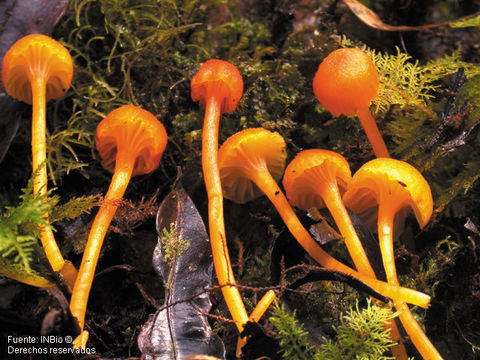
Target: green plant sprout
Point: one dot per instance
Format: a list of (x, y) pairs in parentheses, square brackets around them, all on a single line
[(360, 335), (21, 256), (293, 342), (470, 22), (173, 245), (20, 233)]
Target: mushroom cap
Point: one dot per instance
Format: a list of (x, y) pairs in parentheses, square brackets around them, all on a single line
[(244, 153), (132, 132), (309, 171), (345, 81), (35, 56), (394, 180), (221, 78)]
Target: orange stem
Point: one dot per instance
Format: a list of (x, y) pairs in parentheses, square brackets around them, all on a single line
[(333, 201), (398, 348), (386, 211), (269, 186), (373, 134), (413, 329), (39, 128), (39, 151), (31, 279), (256, 315), (121, 177), (211, 175), (262, 306)]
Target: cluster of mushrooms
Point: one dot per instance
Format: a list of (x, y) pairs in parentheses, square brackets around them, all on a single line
[(131, 142)]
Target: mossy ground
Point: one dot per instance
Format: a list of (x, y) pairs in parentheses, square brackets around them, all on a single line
[(145, 53)]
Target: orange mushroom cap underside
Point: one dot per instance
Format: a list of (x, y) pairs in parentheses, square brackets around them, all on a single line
[(345, 81), (247, 151), (311, 169), (391, 180), (34, 56), (134, 132), (220, 78)]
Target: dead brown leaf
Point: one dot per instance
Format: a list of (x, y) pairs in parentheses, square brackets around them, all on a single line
[(371, 19)]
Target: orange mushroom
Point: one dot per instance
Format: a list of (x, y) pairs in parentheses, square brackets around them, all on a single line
[(249, 162), (317, 178), (36, 69), (218, 86), (345, 83), (395, 187), (130, 142)]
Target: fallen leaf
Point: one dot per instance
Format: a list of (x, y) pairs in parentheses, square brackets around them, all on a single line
[(371, 19), (183, 260)]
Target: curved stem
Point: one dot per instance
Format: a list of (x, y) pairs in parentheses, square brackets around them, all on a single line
[(121, 177), (385, 228), (31, 279), (211, 175), (333, 201), (68, 273), (386, 211), (39, 154), (413, 329), (269, 186), (373, 134), (398, 348)]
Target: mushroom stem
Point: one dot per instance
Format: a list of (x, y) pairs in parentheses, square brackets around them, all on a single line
[(30, 279), (39, 149), (424, 346), (130, 142), (121, 177), (262, 306), (413, 329), (373, 134), (333, 200), (255, 316), (39, 145), (211, 174), (269, 186)]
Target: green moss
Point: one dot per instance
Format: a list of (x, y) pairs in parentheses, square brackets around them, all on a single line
[(20, 232), (473, 21), (145, 53), (172, 244), (293, 342), (360, 335)]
